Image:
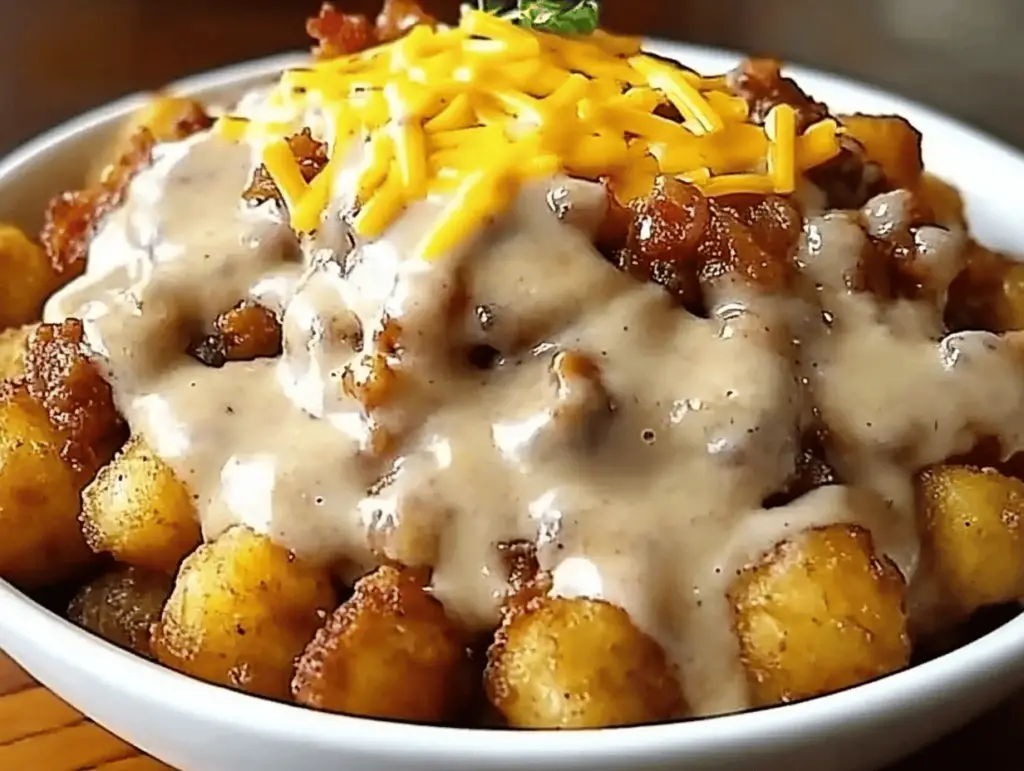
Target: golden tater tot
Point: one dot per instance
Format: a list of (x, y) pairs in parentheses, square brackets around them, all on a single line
[(40, 541), (578, 663), (26, 278), (122, 606), (75, 395), (971, 521), (892, 143), (12, 352), (941, 200), (167, 118), (390, 651), (138, 511), (241, 612), (988, 294), (817, 614)]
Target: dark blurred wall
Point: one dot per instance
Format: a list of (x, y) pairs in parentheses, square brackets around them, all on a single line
[(59, 57)]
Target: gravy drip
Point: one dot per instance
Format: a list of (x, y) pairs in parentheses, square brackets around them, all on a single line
[(632, 442)]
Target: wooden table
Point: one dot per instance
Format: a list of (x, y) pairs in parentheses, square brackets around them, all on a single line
[(63, 56)]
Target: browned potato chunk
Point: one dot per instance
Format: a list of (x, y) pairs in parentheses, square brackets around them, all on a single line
[(166, 117), (971, 532), (241, 612), (578, 663), (892, 143), (122, 606), (12, 352), (942, 201), (75, 394), (137, 510), (40, 542), (817, 614), (988, 294), (26, 278), (391, 652)]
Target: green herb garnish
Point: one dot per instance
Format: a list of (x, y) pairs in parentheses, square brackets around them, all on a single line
[(577, 17)]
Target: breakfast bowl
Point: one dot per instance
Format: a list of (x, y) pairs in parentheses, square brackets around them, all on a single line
[(218, 726)]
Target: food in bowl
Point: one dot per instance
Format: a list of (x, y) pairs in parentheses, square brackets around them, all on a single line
[(490, 376)]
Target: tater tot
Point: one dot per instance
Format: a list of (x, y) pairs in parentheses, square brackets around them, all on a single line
[(943, 201), (892, 143), (76, 396), (12, 352), (241, 612), (122, 606), (26, 278), (390, 651), (971, 533), (166, 117), (40, 541), (817, 614), (578, 663), (988, 294), (138, 511)]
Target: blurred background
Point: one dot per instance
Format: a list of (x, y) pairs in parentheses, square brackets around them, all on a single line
[(60, 57)]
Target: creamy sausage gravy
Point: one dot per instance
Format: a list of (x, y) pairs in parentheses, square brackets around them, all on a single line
[(632, 442)]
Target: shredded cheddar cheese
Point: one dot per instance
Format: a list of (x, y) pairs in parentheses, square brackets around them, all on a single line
[(473, 112)]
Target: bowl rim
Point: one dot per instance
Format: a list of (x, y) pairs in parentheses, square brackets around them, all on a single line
[(984, 659)]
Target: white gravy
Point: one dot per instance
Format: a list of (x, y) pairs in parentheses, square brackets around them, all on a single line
[(642, 483)]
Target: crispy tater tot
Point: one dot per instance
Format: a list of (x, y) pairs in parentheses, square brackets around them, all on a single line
[(942, 201), (139, 511), (12, 352), (122, 606), (26, 278), (578, 663), (75, 395), (241, 612), (819, 613), (988, 294), (167, 118), (40, 542), (390, 651), (891, 142), (971, 529)]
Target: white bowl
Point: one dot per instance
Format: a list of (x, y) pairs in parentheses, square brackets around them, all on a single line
[(199, 727)]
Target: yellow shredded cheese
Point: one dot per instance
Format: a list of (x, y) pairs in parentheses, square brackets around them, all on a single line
[(473, 112), (681, 92), (780, 126), (284, 170)]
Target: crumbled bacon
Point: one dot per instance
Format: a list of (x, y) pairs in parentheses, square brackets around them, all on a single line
[(848, 180), (247, 331), (399, 16), (338, 34), (678, 238), (760, 82), (663, 233)]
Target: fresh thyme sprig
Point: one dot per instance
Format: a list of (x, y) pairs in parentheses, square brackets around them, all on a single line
[(576, 17)]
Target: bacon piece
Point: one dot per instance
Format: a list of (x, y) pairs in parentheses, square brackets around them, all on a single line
[(338, 34)]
